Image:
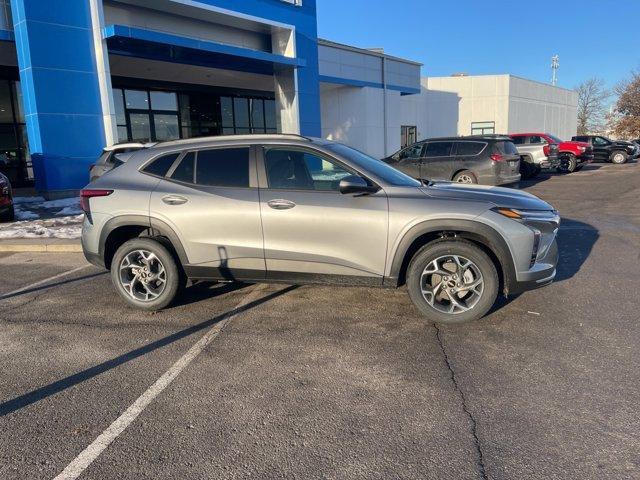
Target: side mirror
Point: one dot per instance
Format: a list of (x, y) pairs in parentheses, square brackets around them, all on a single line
[(355, 184)]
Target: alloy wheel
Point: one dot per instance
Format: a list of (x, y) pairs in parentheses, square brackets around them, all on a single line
[(452, 284), (142, 275), (464, 178)]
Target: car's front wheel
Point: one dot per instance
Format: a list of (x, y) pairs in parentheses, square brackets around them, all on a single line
[(452, 281), (465, 176), (145, 274), (569, 163)]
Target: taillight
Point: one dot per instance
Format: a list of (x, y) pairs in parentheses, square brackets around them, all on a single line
[(496, 157), (546, 150), (89, 193)]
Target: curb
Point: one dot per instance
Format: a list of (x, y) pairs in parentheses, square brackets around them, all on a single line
[(41, 247)]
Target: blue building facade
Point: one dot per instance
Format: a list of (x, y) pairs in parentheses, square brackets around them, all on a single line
[(79, 75), (64, 50)]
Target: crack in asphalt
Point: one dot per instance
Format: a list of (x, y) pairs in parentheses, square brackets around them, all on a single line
[(474, 426)]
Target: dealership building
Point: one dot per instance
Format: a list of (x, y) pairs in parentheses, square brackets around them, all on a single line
[(79, 75)]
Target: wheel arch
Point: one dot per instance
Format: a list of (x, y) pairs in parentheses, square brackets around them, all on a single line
[(482, 235), (119, 229)]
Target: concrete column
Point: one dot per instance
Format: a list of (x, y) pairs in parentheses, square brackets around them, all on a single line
[(287, 106), (61, 88)]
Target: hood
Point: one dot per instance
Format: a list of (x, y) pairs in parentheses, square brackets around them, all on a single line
[(624, 143), (499, 196), (573, 142)]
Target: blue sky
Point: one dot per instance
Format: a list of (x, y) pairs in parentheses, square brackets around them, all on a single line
[(495, 36)]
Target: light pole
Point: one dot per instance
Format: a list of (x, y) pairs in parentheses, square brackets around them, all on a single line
[(555, 65)]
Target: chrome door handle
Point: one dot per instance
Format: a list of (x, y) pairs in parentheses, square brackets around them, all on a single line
[(174, 200), (281, 204)]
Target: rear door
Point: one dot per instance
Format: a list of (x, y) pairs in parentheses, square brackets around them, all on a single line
[(210, 199), (438, 161), (469, 155)]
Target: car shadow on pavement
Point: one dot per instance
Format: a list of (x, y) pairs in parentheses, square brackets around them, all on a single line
[(575, 243), (58, 386)]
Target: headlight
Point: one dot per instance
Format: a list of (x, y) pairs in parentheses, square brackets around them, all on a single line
[(544, 225), (582, 149)]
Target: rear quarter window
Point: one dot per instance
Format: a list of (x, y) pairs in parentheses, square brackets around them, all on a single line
[(506, 148), (161, 165), (470, 148)]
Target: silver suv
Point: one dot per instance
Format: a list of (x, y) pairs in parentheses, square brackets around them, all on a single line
[(285, 208)]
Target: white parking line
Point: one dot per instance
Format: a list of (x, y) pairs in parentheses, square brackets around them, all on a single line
[(42, 282), (93, 451)]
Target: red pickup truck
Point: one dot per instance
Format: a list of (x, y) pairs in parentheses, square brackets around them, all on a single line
[(573, 155)]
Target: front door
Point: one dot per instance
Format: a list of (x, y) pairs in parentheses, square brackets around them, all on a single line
[(438, 163), (408, 160), (211, 201), (600, 149), (311, 230)]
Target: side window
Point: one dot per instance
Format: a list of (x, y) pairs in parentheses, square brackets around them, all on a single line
[(518, 140), (438, 149), (414, 151), (600, 141), (536, 140), (160, 166), (469, 148), (185, 170), (223, 167), (299, 170)]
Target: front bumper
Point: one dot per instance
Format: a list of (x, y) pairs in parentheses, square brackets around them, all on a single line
[(541, 274), (550, 163), (585, 158)]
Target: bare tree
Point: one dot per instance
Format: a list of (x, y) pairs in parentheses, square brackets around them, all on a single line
[(592, 110), (627, 123)]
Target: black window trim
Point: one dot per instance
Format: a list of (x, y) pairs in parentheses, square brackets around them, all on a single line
[(261, 148)]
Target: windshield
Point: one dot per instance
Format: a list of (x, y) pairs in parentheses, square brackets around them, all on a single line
[(377, 167), (554, 138)]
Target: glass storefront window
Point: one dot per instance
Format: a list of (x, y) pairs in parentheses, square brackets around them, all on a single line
[(164, 101), (118, 102), (6, 111), (19, 101), (226, 107), (166, 127), (257, 115), (137, 99), (270, 116), (241, 114), (140, 127)]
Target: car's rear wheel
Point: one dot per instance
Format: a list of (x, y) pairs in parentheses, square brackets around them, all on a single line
[(452, 281), (465, 176), (145, 274), (619, 157)]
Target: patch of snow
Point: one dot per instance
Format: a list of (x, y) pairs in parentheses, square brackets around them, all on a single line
[(69, 227), (20, 200), (70, 210), (39, 218)]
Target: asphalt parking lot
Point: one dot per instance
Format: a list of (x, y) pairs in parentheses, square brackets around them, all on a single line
[(324, 382)]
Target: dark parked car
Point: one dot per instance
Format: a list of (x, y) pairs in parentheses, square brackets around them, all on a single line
[(482, 159), (6, 200), (606, 150)]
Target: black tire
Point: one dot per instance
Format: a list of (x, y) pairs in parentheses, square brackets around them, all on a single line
[(465, 176), (618, 157), (443, 248), (569, 163), (174, 278), (9, 216)]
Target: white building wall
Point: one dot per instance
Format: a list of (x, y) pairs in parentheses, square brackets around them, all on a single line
[(538, 107), (448, 106), (355, 116)]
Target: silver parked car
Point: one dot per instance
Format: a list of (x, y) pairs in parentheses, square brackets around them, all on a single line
[(482, 159), (285, 208), (536, 154)]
